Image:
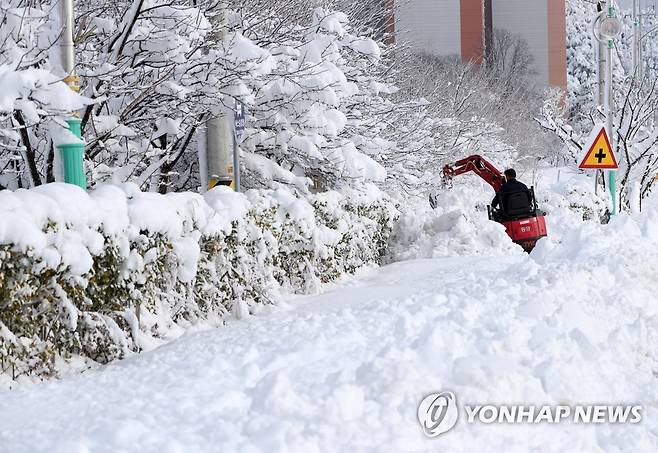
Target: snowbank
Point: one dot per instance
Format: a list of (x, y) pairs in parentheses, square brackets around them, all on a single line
[(345, 370), (119, 270), (457, 227)]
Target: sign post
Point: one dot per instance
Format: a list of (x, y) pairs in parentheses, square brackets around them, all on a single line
[(607, 27), (238, 130), (600, 156)]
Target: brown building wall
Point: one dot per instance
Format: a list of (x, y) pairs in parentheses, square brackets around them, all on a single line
[(557, 42), (472, 30), (464, 27)]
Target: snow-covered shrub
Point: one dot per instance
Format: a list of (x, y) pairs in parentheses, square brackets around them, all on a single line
[(120, 270), (576, 195)]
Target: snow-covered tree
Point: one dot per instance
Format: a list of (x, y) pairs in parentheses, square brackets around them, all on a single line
[(34, 101), (325, 100), (152, 72), (300, 110)]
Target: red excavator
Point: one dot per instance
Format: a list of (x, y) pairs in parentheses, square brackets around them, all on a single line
[(518, 211)]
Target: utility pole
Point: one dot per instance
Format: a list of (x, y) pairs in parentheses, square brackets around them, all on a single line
[(607, 28), (636, 37), (610, 111), (219, 129), (72, 152), (601, 85)]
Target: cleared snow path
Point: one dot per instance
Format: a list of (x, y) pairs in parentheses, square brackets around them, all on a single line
[(345, 370)]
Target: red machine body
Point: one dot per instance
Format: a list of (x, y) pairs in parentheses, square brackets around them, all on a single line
[(525, 229), (526, 232)]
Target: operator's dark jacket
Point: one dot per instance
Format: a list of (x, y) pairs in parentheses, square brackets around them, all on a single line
[(509, 186)]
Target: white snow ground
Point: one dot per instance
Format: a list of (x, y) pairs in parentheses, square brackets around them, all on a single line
[(345, 370), (575, 322)]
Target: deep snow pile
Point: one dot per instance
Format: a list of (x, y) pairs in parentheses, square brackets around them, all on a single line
[(459, 226), (572, 323), (100, 275)]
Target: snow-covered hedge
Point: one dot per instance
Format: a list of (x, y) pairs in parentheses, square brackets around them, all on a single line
[(115, 271)]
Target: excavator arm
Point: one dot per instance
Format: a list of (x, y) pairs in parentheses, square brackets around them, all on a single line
[(480, 166)]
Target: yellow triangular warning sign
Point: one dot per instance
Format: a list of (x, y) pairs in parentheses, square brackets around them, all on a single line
[(600, 154)]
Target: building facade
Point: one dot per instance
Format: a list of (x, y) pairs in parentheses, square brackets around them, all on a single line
[(465, 27)]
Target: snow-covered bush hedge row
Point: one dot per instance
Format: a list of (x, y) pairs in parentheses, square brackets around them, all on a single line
[(115, 271)]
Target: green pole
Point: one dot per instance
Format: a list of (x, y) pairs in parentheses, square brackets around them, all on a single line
[(73, 156), (611, 174), (73, 152), (613, 191)]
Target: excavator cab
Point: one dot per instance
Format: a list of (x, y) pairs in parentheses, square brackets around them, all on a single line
[(514, 205), (522, 219)]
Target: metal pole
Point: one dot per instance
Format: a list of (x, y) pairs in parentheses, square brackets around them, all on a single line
[(219, 149), (602, 60), (610, 112), (236, 162), (72, 152), (636, 37), (219, 129), (640, 52), (67, 46)]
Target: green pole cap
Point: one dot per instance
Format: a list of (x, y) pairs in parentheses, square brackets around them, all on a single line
[(75, 126)]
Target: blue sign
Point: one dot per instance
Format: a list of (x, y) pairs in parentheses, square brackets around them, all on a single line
[(240, 120)]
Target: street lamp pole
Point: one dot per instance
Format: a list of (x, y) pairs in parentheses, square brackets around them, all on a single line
[(638, 57), (612, 180), (602, 60), (636, 38), (73, 150), (607, 28), (219, 128)]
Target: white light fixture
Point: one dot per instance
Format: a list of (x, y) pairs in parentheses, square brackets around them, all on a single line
[(607, 27)]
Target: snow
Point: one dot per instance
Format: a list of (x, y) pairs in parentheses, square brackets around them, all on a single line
[(62, 135), (346, 369), (269, 170), (78, 218), (330, 22), (239, 49), (453, 229), (574, 322), (358, 165), (37, 84), (166, 126), (463, 309), (365, 46)]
